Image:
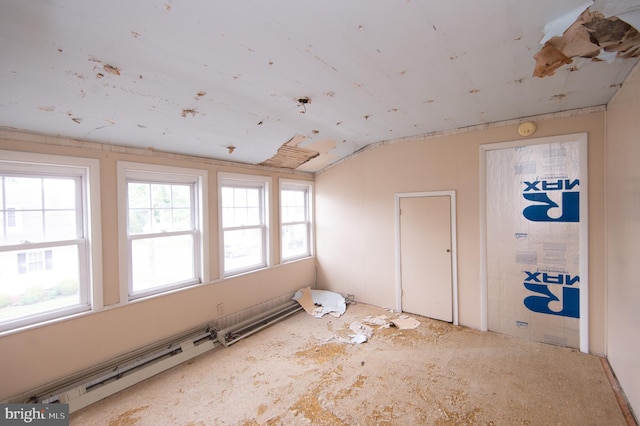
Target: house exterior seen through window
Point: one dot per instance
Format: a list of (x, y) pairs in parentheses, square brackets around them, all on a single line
[(45, 261), (163, 230), (295, 220), (244, 222)]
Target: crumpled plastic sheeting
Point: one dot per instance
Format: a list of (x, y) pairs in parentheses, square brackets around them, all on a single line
[(324, 302)]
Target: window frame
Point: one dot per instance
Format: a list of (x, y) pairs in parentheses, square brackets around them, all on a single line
[(239, 180), (297, 185), (160, 174), (86, 171)]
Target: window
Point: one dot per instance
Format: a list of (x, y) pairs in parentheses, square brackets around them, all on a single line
[(49, 219), (295, 219), (243, 205), (163, 240), (35, 261)]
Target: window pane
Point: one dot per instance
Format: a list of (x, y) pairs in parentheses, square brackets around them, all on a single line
[(59, 194), (293, 214), (295, 241), (293, 206), (240, 216), (296, 198), (182, 219), (253, 197), (161, 220), (139, 195), (2, 225), (241, 207), (181, 196), (160, 208), (227, 196), (162, 261), (240, 197), (27, 227), (160, 195), (60, 225), (228, 219), (37, 281), (253, 216), (243, 248), (139, 221), (23, 193)]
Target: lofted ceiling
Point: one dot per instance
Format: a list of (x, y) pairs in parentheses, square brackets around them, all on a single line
[(313, 81)]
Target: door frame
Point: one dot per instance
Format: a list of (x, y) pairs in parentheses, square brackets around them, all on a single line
[(581, 138), (454, 248)]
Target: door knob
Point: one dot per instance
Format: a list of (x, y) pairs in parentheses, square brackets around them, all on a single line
[(448, 250)]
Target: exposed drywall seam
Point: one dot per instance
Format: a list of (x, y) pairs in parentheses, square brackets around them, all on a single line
[(468, 129), (23, 136)]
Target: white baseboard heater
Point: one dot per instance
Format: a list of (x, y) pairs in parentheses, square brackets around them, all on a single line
[(106, 379), (89, 386), (230, 335)]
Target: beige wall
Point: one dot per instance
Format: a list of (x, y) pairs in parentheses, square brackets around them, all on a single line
[(44, 354), (623, 236), (355, 213)]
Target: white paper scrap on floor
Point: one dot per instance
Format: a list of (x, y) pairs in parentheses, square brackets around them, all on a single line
[(320, 302)]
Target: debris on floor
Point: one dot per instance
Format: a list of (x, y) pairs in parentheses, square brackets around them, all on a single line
[(363, 331), (402, 322), (381, 320), (320, 302)]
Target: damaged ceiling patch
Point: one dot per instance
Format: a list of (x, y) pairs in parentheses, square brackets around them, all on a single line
[(290, 156), (324, 147), (590, 36)]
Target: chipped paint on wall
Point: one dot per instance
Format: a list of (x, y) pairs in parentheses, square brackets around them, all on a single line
[(591, 36)]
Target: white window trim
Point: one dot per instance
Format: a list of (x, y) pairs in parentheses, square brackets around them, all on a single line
[(127, 169), (244, 179), (93, 230), (285, 184)]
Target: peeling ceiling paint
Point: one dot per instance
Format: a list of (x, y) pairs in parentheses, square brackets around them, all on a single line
[(290, 156), (591, 36), (201, 77)]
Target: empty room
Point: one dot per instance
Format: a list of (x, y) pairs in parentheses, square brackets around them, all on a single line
[(326, 213)]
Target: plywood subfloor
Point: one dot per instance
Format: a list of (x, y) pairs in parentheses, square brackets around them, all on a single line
[(297, 373)]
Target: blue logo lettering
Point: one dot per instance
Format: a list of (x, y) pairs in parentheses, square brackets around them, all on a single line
[(540, 212), (540, 303)]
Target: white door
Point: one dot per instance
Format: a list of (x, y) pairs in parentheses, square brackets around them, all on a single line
[(425, 256)]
